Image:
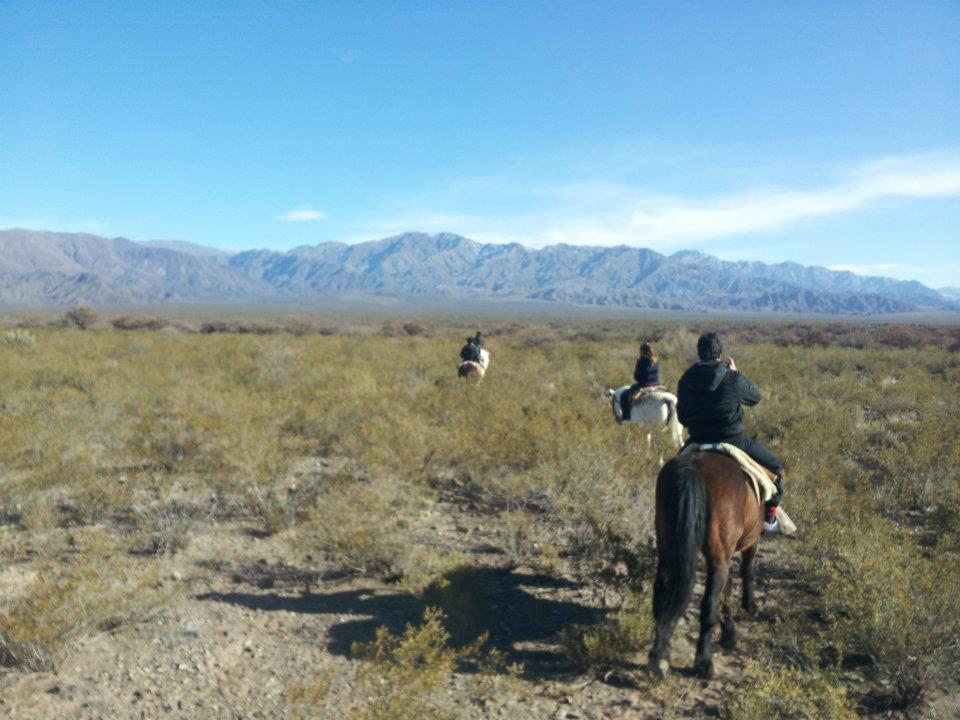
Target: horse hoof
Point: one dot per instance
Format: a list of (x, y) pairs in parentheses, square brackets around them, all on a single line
[(728, 641), (658, 669), (751, 608), (704, 669)]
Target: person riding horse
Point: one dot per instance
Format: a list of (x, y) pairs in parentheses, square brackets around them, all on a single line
[(709, 399), (646, 374), (471, 351)]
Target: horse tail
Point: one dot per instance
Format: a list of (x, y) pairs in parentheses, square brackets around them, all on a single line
[(673, 424), (681, 516), (671, 416)]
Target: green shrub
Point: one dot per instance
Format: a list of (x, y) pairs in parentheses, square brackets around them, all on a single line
[(356, 527), (401, 676), (20, 337), (464, 595), (128, 322), (885, 600), (80, 317), (94, 593), (608, 645), (787, 694)]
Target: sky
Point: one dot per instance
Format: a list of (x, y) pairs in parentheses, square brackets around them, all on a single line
[(820, 132)]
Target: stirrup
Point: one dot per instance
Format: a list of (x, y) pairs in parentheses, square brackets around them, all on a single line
[(771, 528)]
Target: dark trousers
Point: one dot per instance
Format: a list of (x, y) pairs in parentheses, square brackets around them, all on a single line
[(625, 405), (763, 455), (759, 452)]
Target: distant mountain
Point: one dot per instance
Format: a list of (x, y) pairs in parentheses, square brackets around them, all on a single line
[(188, 248), (42, 268), (951, 293), (451, 266), (58, 268)]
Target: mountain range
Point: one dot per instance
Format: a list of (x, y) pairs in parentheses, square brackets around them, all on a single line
[(50, 268)]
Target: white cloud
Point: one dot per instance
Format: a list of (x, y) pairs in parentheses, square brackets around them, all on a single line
[(303, 214), (617, 212), (915, 177), (347, 56), (932, 275)]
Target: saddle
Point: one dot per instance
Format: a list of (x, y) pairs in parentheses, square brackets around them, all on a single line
[(640, 394), (761, 479)]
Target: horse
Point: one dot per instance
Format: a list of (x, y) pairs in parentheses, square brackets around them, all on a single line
[(704, 503), (475, 370), (657, 409)]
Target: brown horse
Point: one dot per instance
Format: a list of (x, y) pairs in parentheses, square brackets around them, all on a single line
[(704, 504)]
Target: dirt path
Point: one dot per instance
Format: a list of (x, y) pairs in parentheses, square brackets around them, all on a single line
[(245, 629)]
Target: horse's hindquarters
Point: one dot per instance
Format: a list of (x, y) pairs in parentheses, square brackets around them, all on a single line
[(470, 369)]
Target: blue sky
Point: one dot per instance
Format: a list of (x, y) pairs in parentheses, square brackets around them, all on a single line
[(822, 132)]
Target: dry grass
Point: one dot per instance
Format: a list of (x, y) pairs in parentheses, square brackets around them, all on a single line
[(403, 677), (146, 436), (66, 601)]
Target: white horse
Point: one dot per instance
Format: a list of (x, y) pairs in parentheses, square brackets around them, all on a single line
[(659, 408), (475, 370)]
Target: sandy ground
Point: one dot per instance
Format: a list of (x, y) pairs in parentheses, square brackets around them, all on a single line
[(246, 627)]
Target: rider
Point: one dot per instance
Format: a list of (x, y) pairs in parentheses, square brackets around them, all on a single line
[(471, 351), (645, 374), (709, 399)]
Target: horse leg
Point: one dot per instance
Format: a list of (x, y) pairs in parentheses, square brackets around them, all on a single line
[(717, 573), (728, 631), (748, 564), (658, 664)]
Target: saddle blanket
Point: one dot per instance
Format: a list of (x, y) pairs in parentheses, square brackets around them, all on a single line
[(640, 394), (763, 486)]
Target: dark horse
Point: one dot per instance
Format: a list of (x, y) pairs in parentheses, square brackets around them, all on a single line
[(705, 503)]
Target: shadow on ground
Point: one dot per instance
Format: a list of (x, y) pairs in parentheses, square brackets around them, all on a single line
[(504, 603)]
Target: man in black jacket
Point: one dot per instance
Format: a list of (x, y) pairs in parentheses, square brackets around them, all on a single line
[(710, 396), (471, 351)]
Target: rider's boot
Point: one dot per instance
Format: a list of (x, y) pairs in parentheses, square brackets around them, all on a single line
[(771, 525)]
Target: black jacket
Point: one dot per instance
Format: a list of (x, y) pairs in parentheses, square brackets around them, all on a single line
[(646, 373), (470, 352), (709, 396)]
